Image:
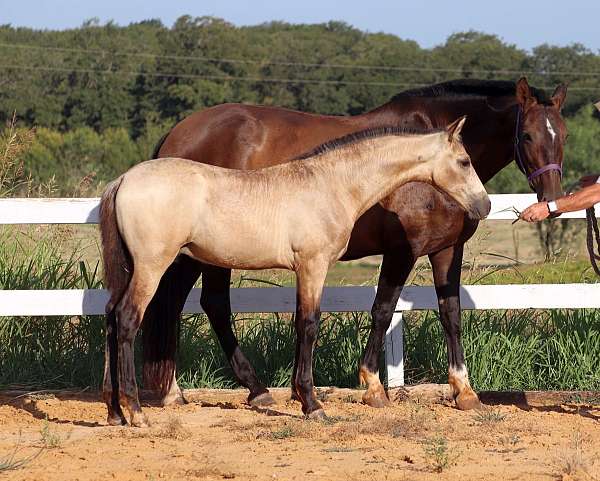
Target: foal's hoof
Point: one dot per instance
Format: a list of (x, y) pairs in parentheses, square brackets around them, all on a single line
[(318, 415), (116, 420), (376, 399), (468, 400), (262, 400), (173, 399), (139, 420)]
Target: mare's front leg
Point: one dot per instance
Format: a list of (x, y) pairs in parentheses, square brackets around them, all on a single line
[(395, 269), (217, 305), (446, 266), (310, 277)]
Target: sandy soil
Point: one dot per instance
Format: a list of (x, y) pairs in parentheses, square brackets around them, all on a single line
[(216, 437)]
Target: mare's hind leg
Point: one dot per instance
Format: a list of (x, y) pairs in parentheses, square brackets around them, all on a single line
[(161, 328), (446, 266), (395, 269), (130, 312), (216, 303)]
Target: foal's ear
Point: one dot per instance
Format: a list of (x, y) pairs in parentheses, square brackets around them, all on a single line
[(597, 105), (523, 93), (454, 129), (559, 96)]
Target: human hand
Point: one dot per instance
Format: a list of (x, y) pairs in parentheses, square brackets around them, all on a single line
[(535, 212)]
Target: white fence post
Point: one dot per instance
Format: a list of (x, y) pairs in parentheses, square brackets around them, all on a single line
[(394, 351)]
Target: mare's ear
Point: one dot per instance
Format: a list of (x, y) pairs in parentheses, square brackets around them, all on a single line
[(597, 105), (454, 129), (559, 96), (523, 93)]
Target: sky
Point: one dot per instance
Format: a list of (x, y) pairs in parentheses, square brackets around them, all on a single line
[(429, 22)]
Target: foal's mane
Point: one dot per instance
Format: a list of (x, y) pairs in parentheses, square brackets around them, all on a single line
[(469, 88), (356, 137)]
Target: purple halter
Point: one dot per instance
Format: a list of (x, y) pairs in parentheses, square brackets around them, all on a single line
[(519, 158)]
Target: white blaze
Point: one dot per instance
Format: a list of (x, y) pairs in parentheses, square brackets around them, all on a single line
[(550, 129)]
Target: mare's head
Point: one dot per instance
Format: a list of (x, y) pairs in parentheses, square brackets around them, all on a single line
[(454, 174), (540, 135)]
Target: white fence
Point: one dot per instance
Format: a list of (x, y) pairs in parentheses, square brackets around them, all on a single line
[(335, 299)]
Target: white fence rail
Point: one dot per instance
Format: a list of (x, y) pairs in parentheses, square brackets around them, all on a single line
[(335, 299), (85, 211)]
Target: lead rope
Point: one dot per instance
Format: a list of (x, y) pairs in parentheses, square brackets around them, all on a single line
[(593, 234)]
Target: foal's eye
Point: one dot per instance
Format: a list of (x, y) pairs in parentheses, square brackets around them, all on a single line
[(464, 163), (526, 137)]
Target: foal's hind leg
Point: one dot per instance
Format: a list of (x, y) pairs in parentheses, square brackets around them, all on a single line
[(395, 269), (115, 414), (130, 312), (216, 303), (446, 266)]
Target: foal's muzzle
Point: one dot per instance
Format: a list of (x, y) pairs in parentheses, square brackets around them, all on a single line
[(481, 207)]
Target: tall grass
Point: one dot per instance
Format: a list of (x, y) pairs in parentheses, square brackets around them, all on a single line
[(554, 349), (47, 351), (512, 350)]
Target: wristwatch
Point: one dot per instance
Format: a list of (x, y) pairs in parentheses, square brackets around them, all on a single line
[(552, 207)]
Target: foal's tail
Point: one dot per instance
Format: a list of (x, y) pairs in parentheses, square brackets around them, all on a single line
[(118, 268)]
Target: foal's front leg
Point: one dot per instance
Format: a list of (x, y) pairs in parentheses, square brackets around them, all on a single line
[(446, 265), (310, 278)]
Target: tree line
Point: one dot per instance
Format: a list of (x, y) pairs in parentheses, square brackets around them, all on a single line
[(100, 96)]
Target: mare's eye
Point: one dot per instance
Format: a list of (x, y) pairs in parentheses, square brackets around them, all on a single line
[(464, 163), (526, 137)]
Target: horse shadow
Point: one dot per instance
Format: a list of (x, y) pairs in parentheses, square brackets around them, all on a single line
[(32, 403), (572, 403)]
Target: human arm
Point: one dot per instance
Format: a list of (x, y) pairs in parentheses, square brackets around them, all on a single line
[(583, 199)]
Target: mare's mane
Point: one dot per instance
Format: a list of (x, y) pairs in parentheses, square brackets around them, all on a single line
[(470, 88)]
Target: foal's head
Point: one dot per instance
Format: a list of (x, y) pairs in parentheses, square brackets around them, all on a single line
[(540, 135), (453, 173)]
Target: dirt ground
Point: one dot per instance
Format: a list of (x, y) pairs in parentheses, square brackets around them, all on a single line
[(217, 436)]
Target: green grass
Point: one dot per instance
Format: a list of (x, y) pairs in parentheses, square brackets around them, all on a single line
[(554, 272), (553, 349), (533, 349), (13, 461), (438, 454)]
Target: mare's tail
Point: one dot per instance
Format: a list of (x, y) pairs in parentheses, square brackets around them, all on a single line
[(117, 273)]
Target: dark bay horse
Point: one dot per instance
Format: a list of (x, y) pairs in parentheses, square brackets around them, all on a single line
[(296, 215), (506, 121)]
